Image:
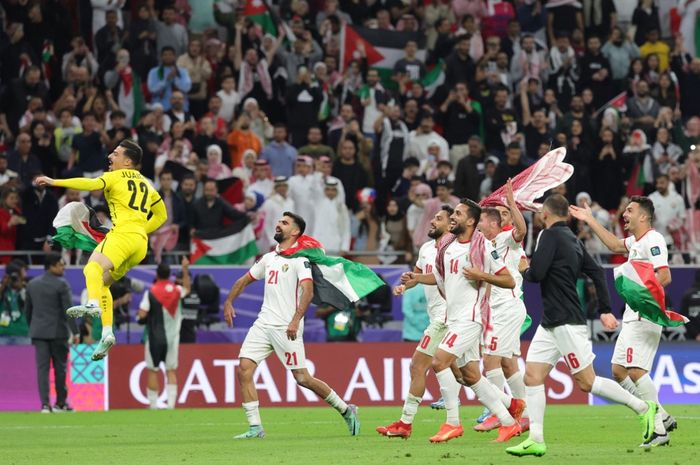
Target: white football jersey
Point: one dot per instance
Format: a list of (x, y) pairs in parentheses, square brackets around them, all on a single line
[(651, 247), (510, 252), (462, 295), (282, 278), (426, 263)]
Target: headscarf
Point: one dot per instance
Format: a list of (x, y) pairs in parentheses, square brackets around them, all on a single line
[(217, 170)]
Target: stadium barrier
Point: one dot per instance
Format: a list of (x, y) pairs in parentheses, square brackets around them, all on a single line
[(365, 374)]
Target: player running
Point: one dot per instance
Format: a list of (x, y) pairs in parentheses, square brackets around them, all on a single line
[(279, 327), (557, 262), (464, 289), (136, 210), (436, 330), (638, 340), (502, 339)]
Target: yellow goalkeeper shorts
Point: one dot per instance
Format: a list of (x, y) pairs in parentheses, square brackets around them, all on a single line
[(125, 250)]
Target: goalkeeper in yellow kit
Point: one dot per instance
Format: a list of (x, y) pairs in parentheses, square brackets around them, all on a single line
[(137, 210)]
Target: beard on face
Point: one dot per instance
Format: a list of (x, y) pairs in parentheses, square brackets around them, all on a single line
[(434, 233), (457, 229), (279, 236)]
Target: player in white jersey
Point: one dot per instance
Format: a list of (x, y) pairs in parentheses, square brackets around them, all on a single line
[(638, 340), (279, 327), (434, 333), (464, 289), (502, 338)]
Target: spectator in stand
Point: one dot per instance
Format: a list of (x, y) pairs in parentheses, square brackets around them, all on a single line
[(80, 56), (373, 98), (512, 167), (643, 108), (22, 160), (109, 40), (8, 177), (187, 187), (315, 147), (563, 69), (365, 231), (461, 118), (199, 71), (607, 166), (579, 153), (303, 102), (528, 62), (208, 136), (142, 42), (47, 298), (15, 97), (273, 208), (459, 66), (690, 307), (352, 175), (501, 123), (421, 138), (414, 213), (279, 154), (240, 139), (170, 34), (210, 210), (245, 171), (216, 168), (331, 224), (620, 51), (655, 46), (535, 125), (443, 196), (409, 68), (394, 226), (166, 78), (669, 211), (14, 329), (666, 154), (40, 208), (10, 218), (688, 80), (595, 73), (645, 19), (302, 188), (254, 79), (262, 182), (393, 149), (165, 238), (470, 170), (230, 98)]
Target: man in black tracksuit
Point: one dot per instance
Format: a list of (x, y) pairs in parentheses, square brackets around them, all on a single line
[(558, 260)]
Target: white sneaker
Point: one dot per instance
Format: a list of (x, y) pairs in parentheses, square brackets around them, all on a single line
[(106, 343)]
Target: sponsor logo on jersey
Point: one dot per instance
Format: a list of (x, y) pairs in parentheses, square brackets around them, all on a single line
[(655, 251), (494, 254)]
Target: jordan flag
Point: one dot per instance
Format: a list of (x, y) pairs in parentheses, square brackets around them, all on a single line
[(382, 48), (257, 11)]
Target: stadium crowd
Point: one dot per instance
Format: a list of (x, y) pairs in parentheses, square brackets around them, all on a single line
[(299, 114)]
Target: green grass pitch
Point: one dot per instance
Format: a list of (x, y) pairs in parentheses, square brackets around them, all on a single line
[(574, 435)]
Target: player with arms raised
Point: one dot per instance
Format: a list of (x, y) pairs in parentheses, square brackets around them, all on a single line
[(505, 227), (136, 210), (638, 340), (279, 327), (434, 333)]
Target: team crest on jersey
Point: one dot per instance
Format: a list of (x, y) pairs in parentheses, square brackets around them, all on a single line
[(494, 254), (285, 267), (493, 242), (655, 251)]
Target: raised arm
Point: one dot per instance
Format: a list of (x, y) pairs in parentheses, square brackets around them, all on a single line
[(519, 225), (611, 241), (81, 184)]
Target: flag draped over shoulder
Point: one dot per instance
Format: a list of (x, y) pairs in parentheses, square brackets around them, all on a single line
[(231, 245), (636, 283), (337, 281), (549, 172), (77, 227)]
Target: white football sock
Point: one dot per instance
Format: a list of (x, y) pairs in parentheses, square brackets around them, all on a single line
[(536, 403), (517, 386), (106, 329), (647, 391), (410, 407), (610, 390), (629, 385), (152, 398), (252, 413), (172, 395), (489, 396), (497, 378), (334, 400), (449, 388)]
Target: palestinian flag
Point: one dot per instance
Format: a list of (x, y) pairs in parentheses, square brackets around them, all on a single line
[(618, 102), (636, 283), (77, 227), (337, 282), (231, 190), (130, 97), (178, 170), (258, 12), (434, 79), (382, 48), (231, 245)]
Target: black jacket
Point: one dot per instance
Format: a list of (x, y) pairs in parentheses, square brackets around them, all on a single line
[(557, 262), (206, 217)]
